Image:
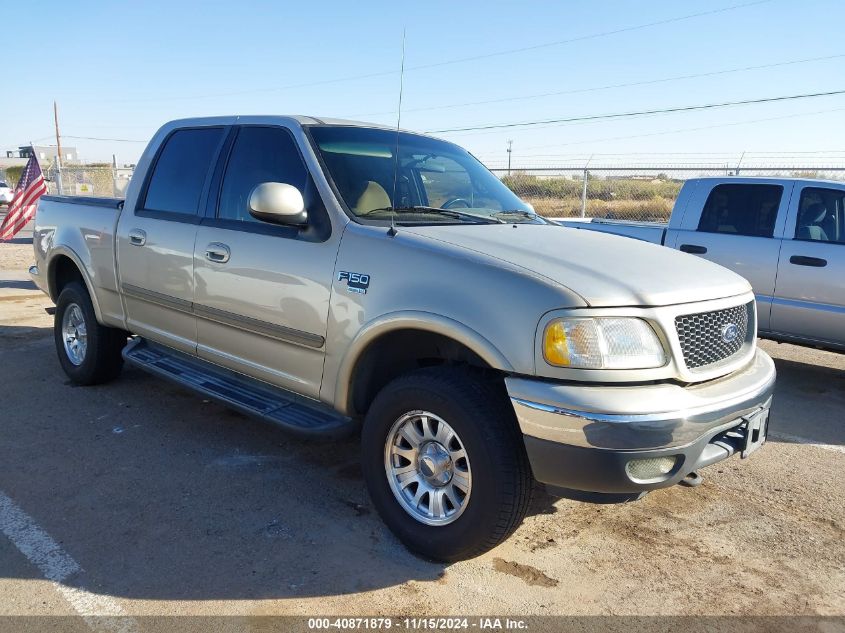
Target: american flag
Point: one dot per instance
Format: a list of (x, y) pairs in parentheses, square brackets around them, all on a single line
[(30, 187)]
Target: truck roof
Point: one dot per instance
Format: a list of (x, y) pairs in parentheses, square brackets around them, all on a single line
[(281, 118), (769, 179)]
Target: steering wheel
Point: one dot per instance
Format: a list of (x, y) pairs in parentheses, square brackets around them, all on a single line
[(450, 203)]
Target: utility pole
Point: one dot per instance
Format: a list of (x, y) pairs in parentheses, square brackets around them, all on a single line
[(58, 149), (584, 191), (510, 150), (114, 175), (58, 136)]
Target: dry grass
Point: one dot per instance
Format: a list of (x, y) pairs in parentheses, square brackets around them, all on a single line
[(652, 210), (619, 198)]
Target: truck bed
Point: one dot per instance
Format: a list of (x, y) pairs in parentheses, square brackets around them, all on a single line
[(81, 228)]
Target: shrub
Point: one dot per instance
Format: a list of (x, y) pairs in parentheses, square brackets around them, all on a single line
[(13, 175)]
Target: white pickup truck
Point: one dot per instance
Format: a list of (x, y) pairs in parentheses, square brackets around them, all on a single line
[(784, 235)]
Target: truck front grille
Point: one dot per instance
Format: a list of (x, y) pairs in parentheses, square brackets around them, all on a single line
[(707, 337)]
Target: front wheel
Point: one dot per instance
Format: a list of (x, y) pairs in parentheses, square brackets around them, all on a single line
[(445, 463)]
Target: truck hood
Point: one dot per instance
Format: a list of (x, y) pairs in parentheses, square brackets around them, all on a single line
[(605, 270)]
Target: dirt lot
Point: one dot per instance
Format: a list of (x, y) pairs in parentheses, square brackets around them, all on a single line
[(159, 502)]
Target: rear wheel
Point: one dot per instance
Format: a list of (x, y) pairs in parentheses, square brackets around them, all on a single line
[(89, 353), (445, 463)]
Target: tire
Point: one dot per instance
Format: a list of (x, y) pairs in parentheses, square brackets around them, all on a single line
[(96, 357), (477, 410)]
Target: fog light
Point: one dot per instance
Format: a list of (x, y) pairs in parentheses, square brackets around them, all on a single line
[(650, 469)]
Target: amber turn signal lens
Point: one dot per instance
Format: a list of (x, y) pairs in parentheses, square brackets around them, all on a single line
[(555, 349)]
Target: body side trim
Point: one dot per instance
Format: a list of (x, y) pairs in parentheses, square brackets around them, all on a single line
[(248, 324), (256, 326), (174, 303)]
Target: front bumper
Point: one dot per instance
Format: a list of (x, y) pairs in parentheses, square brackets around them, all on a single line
[(581, 437)]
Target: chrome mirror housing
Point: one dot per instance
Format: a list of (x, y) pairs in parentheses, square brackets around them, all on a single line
[(279, 203)]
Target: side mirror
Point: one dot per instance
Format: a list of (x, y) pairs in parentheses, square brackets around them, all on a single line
[(279, 203)]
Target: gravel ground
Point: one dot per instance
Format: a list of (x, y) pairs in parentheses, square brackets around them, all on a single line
[(171, 504)]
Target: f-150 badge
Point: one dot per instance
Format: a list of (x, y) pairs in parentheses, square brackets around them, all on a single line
[(355, 282)]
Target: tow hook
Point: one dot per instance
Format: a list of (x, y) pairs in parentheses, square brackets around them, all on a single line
[(692, 480)]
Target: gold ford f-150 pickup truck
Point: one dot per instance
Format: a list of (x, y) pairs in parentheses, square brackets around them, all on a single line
[(331, 276)]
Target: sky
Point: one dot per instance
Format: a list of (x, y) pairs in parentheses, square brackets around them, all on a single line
[(120, 70)]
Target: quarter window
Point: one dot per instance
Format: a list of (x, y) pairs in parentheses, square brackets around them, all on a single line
[(179, 175), (821, 215), (741, 210), (260, 154)]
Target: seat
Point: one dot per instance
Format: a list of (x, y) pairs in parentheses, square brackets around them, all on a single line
[(373, 197), (809, 223)]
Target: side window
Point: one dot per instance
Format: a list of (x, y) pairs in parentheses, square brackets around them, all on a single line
[(179, 174), (260, 154), (741, 210), (821, 213)]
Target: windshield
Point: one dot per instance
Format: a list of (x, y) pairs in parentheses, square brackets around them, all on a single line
[(436, 181)]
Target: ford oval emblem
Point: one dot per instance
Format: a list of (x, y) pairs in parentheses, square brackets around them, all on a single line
[(729, 332)]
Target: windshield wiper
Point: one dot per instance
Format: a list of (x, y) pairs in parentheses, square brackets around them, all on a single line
[(531, 215), (452, 213)]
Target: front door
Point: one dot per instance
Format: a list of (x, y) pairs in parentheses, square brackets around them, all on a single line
[(810, 294), (155, 240), (262, 290), (738, 228)]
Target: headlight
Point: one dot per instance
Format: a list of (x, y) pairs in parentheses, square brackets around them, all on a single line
[(602, 343)]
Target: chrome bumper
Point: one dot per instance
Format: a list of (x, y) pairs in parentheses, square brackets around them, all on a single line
[(639, 417), (38, 280), (581, 439)]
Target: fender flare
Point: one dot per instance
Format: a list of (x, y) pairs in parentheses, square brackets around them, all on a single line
[(410, 320), (68, 252)]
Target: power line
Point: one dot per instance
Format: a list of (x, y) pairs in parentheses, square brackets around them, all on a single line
[(622, 115), (690, 129), (97, 138), (591, 36), (780, 153), (461, 60), (632, 84)]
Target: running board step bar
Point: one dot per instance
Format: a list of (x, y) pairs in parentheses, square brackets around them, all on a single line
[(294, 413)]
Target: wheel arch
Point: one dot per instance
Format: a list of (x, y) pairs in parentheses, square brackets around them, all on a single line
[(402, 341), (64, 267)]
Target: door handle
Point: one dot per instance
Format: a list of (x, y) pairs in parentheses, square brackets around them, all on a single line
[(694, 249), (801, 260), (217, 253), (137, 237)]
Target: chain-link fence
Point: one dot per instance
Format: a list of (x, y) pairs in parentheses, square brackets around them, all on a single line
[(644, 194), (88, 180), (624, 192)]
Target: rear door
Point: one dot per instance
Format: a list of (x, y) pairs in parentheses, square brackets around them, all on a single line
[(262, 289), (739, 226), (809, 300), (155, 240)]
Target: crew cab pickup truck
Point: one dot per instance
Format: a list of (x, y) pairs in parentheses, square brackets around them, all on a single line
[(331, 276), (785, 235)]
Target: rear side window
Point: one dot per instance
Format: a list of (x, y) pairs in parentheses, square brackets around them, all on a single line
[(821, 215), (741, 210), (260, 154), (177, 180)]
